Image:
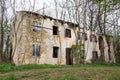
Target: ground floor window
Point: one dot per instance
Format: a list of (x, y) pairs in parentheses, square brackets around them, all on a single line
[(95, 54), (55, 52), (36, 50)]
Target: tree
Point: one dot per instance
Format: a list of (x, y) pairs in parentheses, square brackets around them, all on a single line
[(2, 19), (93, 14)]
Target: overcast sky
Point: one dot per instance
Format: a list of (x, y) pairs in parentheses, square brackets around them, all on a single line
[(38, 7)]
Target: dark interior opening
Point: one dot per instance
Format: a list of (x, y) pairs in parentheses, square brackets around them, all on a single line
[(55, 30), (101, 46), (69, 58), (68, 33), (55, 52)]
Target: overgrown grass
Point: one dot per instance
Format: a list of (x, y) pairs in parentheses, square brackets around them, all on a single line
[(5, 67), (101, 71), (33, 66), (68, 77), (97, 65), (9, 77)]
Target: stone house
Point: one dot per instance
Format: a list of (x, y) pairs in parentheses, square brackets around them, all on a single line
[(41, 39)]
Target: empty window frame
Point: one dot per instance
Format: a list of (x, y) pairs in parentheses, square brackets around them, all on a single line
[(95, 54), (36, 26), (85, 36), (80, 35), (93, 38), (68, 33), (36, 50), (55, 30), (55, 52)]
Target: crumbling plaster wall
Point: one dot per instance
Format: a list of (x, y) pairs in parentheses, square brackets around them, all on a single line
[(22, 53), (91, 46), (94, 46), (23, 37), (16, 35)]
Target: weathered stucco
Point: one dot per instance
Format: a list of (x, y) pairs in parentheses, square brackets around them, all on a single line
[(22, 46), (23, 37)]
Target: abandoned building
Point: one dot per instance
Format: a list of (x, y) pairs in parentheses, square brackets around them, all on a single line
[(41, 39)]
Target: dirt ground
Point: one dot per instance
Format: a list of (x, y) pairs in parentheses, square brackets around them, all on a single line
[(95, 73)]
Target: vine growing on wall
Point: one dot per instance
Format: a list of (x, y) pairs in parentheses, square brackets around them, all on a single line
[(78, 52)]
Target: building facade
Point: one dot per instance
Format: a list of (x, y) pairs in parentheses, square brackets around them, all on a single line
[(41, 39)]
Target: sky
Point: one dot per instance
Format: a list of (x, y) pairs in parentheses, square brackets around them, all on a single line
[(28, 5), (38, 7)]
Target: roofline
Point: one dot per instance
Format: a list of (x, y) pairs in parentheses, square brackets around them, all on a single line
[(51, 18)]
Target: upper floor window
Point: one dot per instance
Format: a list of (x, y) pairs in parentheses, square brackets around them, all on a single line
[(85, 36), (36, 50), (93, 38), (36, 26), (55, 30), (80, 35), (68, 33)]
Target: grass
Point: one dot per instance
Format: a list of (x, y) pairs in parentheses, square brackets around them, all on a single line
[(9, 77), (68, 77), (6, 67), (103, 71)]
